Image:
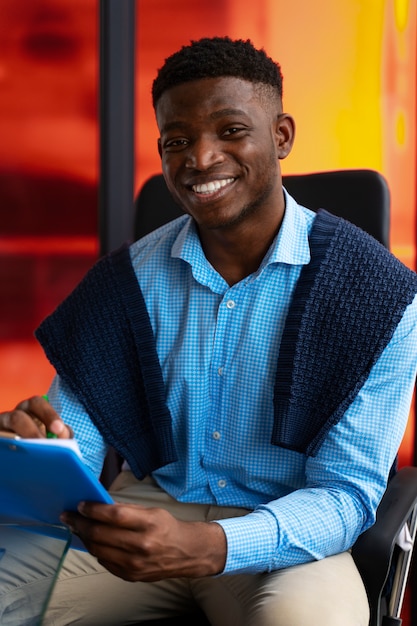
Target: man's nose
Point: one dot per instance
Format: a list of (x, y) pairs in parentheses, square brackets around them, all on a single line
[(203, 154)]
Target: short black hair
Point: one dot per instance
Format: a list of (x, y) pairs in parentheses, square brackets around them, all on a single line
[(216, 57)]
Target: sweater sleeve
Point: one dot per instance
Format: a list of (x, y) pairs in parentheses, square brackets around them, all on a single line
[(101, 343)]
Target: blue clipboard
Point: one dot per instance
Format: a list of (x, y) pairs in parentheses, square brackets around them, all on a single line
[(38, 481)]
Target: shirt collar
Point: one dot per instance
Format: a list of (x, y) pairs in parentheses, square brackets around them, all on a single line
[(187, 246), (290, 246)]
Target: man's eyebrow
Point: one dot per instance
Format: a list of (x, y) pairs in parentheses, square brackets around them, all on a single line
[(176, 125), (181, 125), (226, 113)]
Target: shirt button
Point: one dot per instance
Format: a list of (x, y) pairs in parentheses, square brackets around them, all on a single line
[(220, 371), (222, 483), (216, 435), (230, 304)]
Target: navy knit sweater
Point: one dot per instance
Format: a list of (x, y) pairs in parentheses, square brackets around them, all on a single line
[(347, 304)]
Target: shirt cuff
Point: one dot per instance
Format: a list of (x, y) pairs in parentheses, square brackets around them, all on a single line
[(252, 542)]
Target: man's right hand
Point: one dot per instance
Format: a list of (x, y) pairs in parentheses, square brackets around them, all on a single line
[(33, 419)]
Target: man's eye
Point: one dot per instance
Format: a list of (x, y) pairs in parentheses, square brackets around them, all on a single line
[(232, 131), (175, 143)]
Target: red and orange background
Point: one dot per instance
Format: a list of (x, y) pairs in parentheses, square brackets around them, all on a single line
[(349, 80)]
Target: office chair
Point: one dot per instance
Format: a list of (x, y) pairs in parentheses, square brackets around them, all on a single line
[(362, 197)]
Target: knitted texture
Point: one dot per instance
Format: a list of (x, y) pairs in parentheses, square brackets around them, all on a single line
[(101, 343), (346, 306)]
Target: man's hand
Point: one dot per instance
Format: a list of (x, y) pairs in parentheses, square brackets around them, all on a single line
[(148, 544), (33, 418)]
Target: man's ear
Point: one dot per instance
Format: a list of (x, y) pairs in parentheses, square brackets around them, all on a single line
[(285, 134), (159, 147)]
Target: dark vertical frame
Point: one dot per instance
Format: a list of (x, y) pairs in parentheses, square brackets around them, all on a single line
[(117, 144), (116, 111)]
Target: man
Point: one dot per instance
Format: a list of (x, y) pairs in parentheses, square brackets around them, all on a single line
[(251, 362)]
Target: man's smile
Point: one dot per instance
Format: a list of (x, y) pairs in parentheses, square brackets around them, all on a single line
[(212, 186)]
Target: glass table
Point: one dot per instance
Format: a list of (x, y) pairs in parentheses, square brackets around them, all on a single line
[(31, 556)]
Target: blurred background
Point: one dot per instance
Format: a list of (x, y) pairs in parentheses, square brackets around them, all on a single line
[(349, 80)]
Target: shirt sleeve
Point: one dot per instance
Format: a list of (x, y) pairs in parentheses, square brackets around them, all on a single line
[(92, 445), (347, 478)]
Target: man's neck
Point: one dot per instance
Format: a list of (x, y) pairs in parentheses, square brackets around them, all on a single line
[(237, 253)]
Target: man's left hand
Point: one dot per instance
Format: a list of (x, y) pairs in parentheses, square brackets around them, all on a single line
[(148, 544)]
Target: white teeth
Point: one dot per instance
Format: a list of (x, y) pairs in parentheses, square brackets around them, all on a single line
[(212, 186)]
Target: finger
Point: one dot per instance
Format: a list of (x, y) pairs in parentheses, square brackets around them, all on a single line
[(45, 416), (98, 536), (129, 516), (21, 423)]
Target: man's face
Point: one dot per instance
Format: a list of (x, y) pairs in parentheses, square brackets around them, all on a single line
[(220, 144)]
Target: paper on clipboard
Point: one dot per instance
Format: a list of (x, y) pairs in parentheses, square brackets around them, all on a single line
[(39, 479)]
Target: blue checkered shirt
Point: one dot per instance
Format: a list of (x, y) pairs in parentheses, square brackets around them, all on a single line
[(218, 349)]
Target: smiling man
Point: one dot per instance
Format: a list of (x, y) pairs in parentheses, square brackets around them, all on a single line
[(252, 362)]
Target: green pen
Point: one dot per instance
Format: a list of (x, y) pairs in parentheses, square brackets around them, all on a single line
[(48, 434)]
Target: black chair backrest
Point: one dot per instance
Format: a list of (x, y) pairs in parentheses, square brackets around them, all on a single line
[(154, 206), (360, 196)]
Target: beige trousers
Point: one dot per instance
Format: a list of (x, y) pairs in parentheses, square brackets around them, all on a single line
[(328, 592)]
